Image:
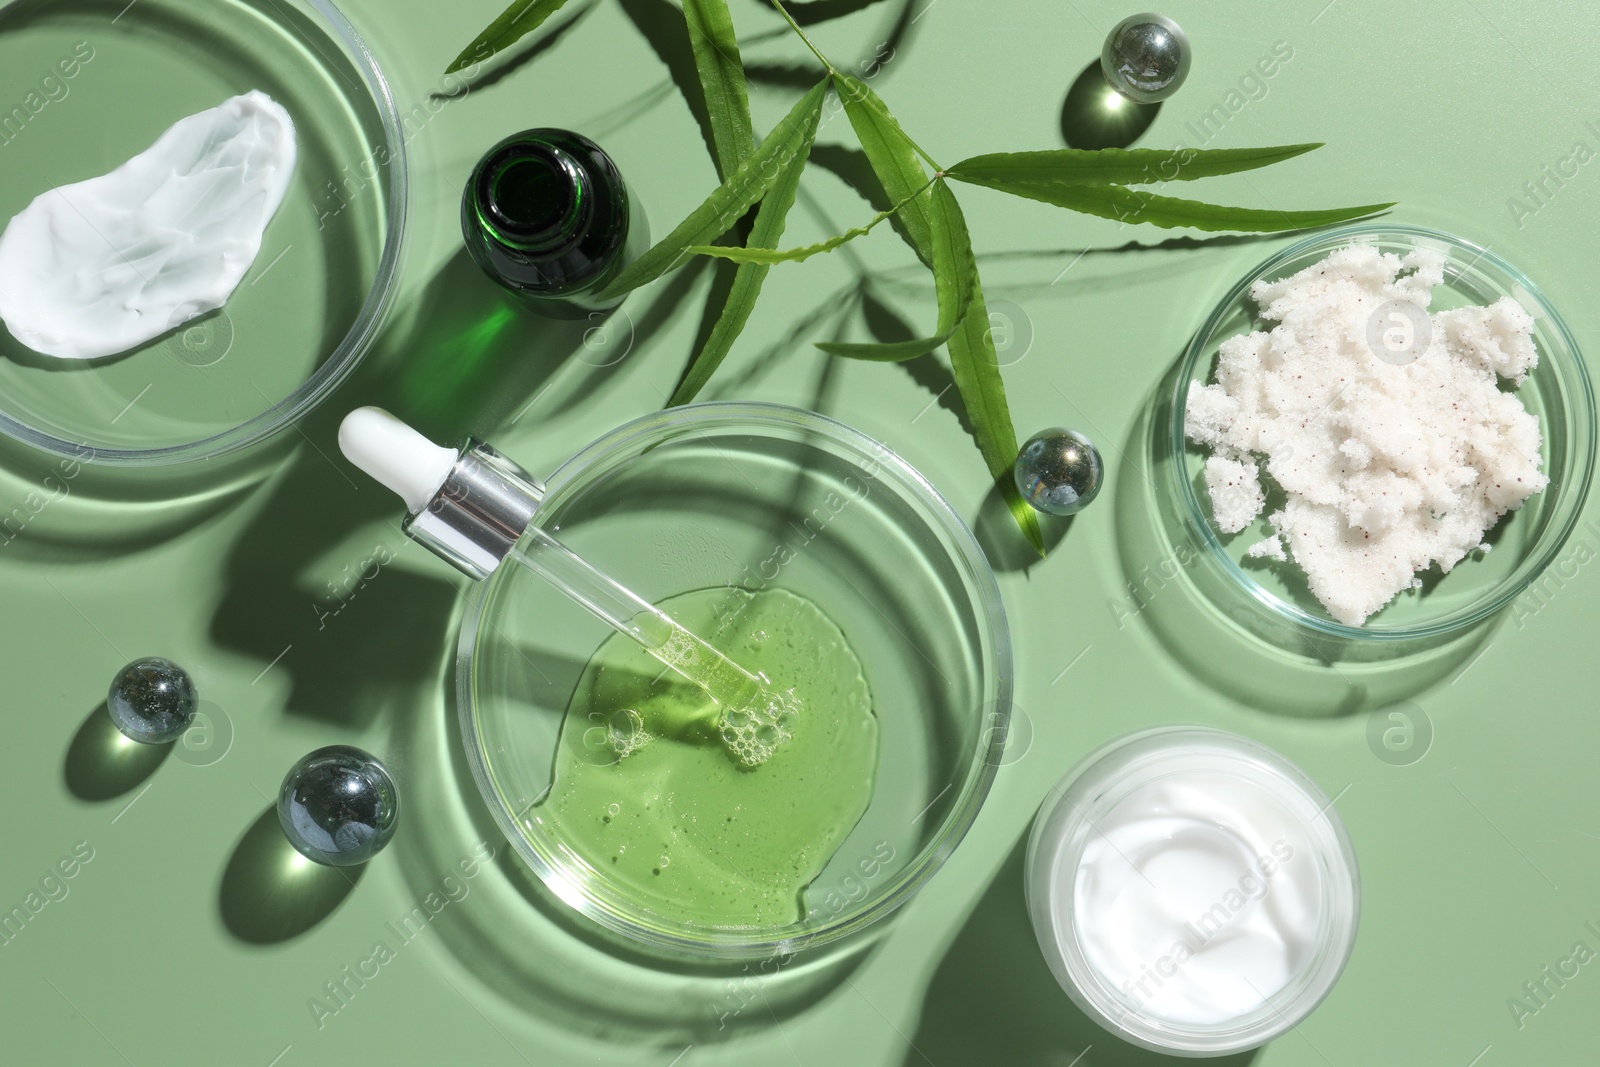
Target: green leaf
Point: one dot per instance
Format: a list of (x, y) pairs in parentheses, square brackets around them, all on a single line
[(791, 137), (755, 255), (893, 157), (765, 233), (976, 368), (1131, 205), (769, 256), (955, 279), (973, 361), (716, 58), (514, 23), (1115, 166)]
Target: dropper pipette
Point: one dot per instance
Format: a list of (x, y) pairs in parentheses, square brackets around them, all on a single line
[(474, 508)]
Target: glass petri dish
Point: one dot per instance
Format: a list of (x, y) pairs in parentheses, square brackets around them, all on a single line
[(84, 86), (1525, 541), (1240, 843), (754, 496)]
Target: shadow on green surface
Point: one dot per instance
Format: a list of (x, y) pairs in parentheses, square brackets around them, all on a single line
[(475, 356), (311, 585), (270, 893), (1094, 115), (811, 12), (994, 1000), (662, 25), (101, 763), (996, 531), (60, 509), (350, 641)]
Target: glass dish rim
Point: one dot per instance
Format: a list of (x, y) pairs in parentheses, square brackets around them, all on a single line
[(352, 347), (1325, 970), (1576, 383), (982, 768)]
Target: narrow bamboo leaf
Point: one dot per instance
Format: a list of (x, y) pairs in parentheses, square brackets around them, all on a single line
[(976, 369), (730, 200), (955, 279), (770, 256), (893, 159), (721, 70), (1115, 166), (1131, 205), (890, 352), (765, 233), (973, 362), (514, 23)]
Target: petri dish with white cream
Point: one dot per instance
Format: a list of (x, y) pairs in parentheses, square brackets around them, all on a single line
[(260, 293), (1193, 891)]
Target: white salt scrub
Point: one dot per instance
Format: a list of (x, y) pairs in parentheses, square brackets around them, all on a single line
[(104, 265), (1388, 465)]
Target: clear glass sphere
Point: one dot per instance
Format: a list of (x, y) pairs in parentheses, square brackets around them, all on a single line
[(1146, 57), (338, 806), (152, 700), (1059, 471)]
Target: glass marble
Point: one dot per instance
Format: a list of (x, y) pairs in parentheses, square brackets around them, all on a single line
[(152, 700), (338, 806), (1059, 471), (1145, 57)]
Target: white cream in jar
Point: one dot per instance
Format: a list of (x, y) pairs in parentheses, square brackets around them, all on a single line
[(1192, 890)]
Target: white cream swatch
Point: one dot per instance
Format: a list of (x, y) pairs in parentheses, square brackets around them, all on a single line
[(101, 266)]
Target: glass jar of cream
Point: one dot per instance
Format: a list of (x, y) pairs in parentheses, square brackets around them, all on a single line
[(1193, 891)]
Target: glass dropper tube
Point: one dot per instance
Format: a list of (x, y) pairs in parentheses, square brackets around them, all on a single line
[(727, 683), (474, 508)]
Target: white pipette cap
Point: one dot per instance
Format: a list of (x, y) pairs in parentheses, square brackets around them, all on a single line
[(468, 506)]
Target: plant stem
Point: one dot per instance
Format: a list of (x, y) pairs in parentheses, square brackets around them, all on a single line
[(833, 73), (796, 27)]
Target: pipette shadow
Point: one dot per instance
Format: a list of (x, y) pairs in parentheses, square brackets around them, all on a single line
[(993, 999)]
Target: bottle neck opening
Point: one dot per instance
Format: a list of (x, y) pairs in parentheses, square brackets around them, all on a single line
[(533, 197)]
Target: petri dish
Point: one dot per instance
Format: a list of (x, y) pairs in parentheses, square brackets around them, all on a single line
[(754, 496), (84, 86), (1275, 599)]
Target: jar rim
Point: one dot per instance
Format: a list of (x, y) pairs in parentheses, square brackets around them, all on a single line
[(1101, 781)]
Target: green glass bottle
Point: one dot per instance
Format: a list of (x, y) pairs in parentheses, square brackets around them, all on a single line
[(547, 215)]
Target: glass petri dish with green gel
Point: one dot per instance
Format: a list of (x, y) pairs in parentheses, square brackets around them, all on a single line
[(86, 85), (803, 550)]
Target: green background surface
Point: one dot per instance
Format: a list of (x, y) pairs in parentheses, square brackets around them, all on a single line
[(185, 940)]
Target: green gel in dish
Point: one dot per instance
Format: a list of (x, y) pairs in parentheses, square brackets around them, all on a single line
[(647, 792)]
